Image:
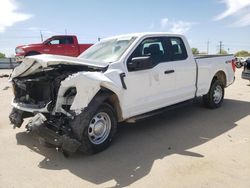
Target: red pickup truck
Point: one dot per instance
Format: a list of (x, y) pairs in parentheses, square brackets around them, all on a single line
[(59, 45)]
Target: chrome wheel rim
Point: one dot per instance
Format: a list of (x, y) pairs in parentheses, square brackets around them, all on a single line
[(217, 94), (99, 128)]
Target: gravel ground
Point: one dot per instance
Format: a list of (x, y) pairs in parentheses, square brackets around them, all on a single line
[(186, 147)]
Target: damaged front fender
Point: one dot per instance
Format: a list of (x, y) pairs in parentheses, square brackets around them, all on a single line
[(87, 85)]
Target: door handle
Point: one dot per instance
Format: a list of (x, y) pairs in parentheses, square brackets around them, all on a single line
[(169, 71)]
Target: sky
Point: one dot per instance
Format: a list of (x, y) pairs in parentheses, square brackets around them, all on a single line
[(204, 23)]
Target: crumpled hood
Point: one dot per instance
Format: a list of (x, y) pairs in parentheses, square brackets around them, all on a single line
[(37, 63)]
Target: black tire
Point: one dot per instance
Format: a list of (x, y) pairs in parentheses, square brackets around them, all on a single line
[(238, 65), (85, 118), (210, 101)]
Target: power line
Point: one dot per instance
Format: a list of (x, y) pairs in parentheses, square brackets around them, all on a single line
[(221, 47)]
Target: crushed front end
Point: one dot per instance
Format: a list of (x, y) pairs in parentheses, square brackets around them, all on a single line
[(41, 96)]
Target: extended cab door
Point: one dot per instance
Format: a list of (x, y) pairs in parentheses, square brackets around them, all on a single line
[(71, 47), (184, 68), (153, 87)]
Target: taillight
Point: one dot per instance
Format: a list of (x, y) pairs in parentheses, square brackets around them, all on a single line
[(233, 64)]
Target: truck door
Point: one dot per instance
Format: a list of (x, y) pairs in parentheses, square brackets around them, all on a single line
[(151, 88), (54, 46), (185, 70), (70, 47)]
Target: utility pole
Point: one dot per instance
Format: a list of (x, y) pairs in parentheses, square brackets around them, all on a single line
[(220, 46), (65, 31), (208, 47), (41, 35)]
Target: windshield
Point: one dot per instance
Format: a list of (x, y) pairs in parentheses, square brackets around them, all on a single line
[(109, 50)]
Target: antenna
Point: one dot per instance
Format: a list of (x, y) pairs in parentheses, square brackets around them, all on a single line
[(41, 35)]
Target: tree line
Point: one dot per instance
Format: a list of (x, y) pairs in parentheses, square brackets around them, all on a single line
[(241, 53), (2, 55)]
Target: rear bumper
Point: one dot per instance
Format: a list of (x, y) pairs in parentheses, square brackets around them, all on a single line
[(245, 75)]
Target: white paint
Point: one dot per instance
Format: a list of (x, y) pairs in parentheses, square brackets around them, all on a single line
[(147, 90), (45, 60)]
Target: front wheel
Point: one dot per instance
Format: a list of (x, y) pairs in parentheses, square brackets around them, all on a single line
[(214, 98), (99, 128)]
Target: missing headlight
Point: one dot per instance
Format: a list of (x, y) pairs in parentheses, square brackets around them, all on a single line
[(70, 92)]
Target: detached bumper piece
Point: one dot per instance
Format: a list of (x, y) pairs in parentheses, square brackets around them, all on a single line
[(39, 127), (16, 117)]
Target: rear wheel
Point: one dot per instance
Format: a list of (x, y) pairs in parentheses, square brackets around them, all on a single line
[(238, 65), (214, 98)]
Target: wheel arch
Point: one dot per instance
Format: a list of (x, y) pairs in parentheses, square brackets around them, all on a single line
[(221, 76), (112, 99), (32, 53)]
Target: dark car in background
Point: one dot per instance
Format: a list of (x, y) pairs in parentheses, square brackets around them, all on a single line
[(246, 70)]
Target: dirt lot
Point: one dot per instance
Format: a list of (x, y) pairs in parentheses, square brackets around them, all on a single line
[(186, 147)]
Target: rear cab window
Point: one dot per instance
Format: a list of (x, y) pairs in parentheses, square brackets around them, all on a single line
[(178, 49), (68, 40)]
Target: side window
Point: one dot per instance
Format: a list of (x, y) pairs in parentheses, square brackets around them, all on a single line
[(54, 41), (179, 51), (68, 40), (62, 40), (152, 47)]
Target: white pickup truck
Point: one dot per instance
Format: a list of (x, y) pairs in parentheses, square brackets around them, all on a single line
[(75, 103)]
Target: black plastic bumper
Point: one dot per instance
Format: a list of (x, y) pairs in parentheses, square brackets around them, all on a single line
[(37, 126)]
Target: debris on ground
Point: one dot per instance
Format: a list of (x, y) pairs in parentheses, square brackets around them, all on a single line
[(6, 88)]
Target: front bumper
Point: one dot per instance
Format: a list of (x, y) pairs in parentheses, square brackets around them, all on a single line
[(43, 129), (31, 108), (245, 75), (19, 58)]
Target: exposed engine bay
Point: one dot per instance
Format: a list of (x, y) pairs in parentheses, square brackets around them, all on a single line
[(37, 90), (36, 95)]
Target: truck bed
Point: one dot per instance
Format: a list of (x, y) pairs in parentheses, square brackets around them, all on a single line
[(211, 56), (83, 47), (209, 65)]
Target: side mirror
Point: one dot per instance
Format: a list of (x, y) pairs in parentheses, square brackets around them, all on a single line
[(140, 63)]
